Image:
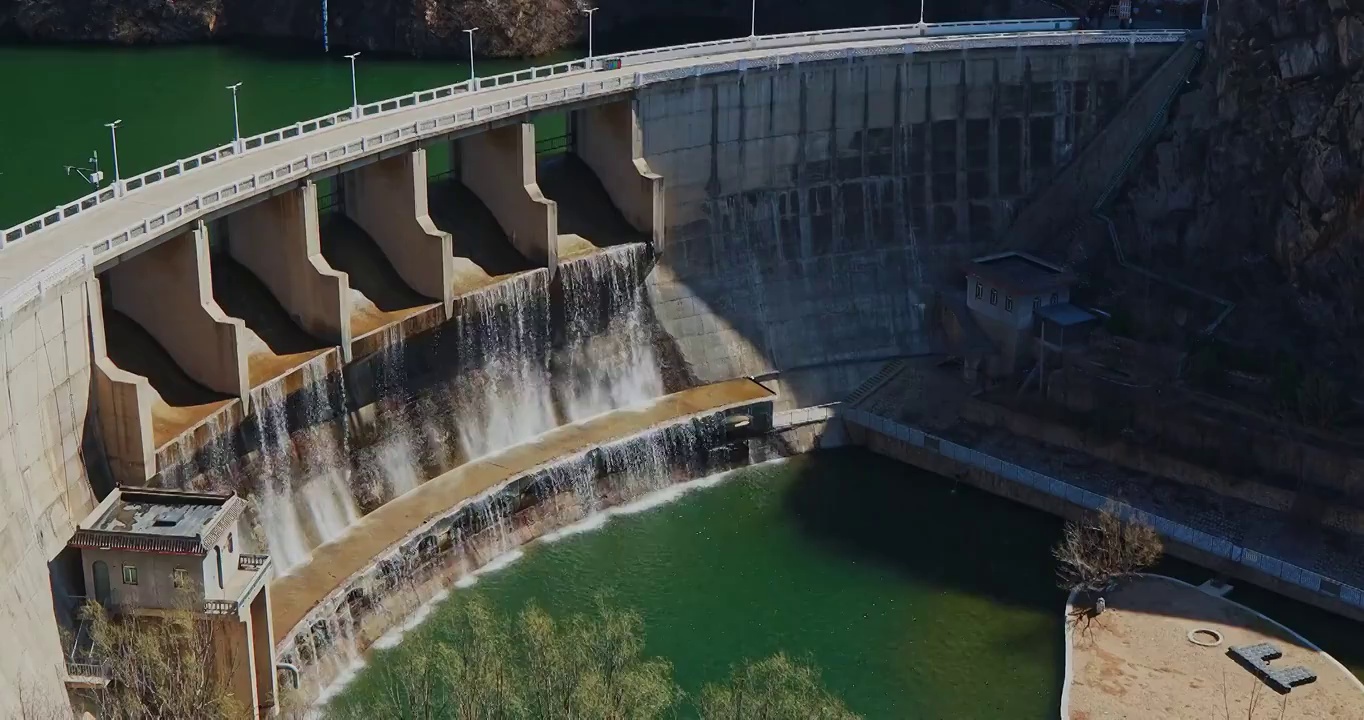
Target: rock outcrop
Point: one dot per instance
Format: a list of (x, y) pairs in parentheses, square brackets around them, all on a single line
[(1255, 187)]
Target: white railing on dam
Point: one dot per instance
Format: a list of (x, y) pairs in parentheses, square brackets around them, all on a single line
[(129, 224)]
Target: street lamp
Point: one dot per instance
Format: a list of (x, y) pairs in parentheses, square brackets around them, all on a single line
[(590, 12), (471, 57), (236, 121), (354, 96), (921, 12), (753, 19), (113, 135)]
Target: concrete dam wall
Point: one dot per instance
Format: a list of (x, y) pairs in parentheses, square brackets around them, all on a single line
[(342, 342), (812, 210)]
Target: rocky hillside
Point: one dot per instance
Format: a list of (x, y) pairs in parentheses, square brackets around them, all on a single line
[(432, 27), (1254, 190)]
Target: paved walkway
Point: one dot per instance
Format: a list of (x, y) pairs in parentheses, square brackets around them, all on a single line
[(296, 594)]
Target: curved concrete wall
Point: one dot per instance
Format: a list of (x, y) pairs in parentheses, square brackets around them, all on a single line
[(804, 215), (45, 393), (813, 209)]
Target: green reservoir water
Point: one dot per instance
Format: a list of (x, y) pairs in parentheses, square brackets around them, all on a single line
[(916, 596), (173, 103)]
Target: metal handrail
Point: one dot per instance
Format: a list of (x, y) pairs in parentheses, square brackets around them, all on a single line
[(251, 562), (220, 607), (528, 75)]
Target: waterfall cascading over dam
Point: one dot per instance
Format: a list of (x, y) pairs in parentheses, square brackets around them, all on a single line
[(305, 496), (504, 392), (523, 357), (607, 359)]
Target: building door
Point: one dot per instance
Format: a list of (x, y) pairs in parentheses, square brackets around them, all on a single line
[(218, 554), (102, 583)]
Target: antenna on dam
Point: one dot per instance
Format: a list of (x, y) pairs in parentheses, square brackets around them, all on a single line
[(92, 174)]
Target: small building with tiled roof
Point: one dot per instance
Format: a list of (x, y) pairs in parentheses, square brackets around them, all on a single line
[(152, 552), (1010, 294)]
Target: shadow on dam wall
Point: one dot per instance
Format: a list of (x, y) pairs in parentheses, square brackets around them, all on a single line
[(814, 211)]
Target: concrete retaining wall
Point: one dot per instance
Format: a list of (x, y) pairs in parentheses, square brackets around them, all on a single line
[(169, 292), (811, 208), (499, 167), (387, 200), (279, 242), (1034, 489), (45, 394), (609, 140)]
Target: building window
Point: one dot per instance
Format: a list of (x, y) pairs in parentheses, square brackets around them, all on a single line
[(1008, 303), (994, 296), (229, 542), (129, 574), (1054, 298), (980, 290), (180, 577)]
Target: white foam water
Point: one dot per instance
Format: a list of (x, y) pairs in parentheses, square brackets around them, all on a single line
[(305, 498), (509, 395), (608, 355)]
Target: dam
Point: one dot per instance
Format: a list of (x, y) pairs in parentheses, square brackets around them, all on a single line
[(387, 362)]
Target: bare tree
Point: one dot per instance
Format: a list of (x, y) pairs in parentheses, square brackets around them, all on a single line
[(166, 665), (1097, 552)]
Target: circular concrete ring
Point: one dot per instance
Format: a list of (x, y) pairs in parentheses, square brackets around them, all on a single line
[(1205, 637)]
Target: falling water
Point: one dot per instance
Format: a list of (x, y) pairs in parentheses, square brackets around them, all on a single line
[(608, 356), (508, 395), (299, 515)]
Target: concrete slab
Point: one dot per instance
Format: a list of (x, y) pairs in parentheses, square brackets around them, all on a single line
[(295, 594)]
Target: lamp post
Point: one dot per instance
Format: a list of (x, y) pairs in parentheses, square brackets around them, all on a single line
[(753, 19), (590, 12), (113, 135), (471, 57), (354, 96), (236, 121), (921, 12)]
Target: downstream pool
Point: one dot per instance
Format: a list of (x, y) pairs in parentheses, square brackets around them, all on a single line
[(916, 596)]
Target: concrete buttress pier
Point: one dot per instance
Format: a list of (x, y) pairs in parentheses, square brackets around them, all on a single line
[(499, 167), (168, 290), (388, 200), (124, 407), (278, 240), (609, 140)]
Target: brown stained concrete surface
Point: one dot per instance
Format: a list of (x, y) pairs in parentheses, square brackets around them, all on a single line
[(181, 403), (274, 344), (1135, 662), (295, 594), (483, 254), (379, 297)]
